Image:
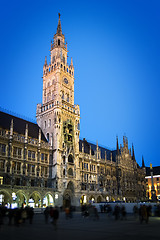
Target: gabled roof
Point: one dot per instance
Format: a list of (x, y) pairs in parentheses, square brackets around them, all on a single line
[(19, 125), (156, 171), (94, 148)]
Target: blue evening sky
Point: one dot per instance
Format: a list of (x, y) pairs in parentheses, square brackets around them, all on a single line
[(115, 47)]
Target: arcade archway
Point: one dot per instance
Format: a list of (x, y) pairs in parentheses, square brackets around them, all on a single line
[(5, 198), (34, 200), (48, 200)]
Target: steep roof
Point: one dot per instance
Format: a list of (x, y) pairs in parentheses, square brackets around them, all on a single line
[(156, 171), (93, 150), (19, 125)]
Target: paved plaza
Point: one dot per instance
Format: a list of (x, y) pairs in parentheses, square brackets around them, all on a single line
[(83, 228)]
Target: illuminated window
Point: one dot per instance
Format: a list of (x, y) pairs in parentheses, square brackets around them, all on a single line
[(1, 180)]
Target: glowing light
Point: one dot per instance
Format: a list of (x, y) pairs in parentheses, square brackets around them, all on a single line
[(14, 196), (85, 200), (107, 198), (14, 205), (1, 198)]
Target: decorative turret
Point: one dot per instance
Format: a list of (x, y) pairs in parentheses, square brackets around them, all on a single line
[(26, 133), (71, 63), (39, 137), (11, 129), (97, 145), (117, 146), (90, 150), (45, 62)]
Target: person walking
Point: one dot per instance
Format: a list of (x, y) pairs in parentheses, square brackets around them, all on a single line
[(55, 217), (46, 214)]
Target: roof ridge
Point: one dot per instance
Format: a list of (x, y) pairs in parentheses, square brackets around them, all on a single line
[(9, 112)]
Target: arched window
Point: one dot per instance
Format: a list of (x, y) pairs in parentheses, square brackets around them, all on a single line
[(59, 42), (64, 172), (70, 172), (70, 158)]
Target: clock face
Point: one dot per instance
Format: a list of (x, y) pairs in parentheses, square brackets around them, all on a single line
[(65, 80)]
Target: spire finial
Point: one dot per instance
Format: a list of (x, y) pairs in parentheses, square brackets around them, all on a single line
[(117, 146), (45, 62), (143, 165), (71, 61), (133, 155), (59, 29)]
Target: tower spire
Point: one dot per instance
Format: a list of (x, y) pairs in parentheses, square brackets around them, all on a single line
[(133, 155), (143, 165), (59, 28)]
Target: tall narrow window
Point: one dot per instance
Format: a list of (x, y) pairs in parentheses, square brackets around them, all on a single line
[(49, 123), (48, 137), (63, 95), (59, 42), (67, 97)]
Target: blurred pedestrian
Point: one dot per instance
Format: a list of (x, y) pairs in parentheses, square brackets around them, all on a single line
[(55, 217), (46, 214), (116, 212)]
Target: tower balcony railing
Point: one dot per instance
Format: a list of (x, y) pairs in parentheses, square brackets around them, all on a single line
[(51, 104)]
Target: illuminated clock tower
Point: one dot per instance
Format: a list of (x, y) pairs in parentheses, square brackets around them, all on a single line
[(59, 120)]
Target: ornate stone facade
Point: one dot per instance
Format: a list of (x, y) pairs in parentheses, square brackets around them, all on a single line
[(72, 171)]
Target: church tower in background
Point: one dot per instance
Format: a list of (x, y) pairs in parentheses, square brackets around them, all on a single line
[(59, 118)]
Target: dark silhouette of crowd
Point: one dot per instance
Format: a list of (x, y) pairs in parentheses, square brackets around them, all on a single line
[(16, 216), (19, 216)]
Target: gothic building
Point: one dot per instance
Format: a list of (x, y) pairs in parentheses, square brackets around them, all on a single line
[(46, 163)]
